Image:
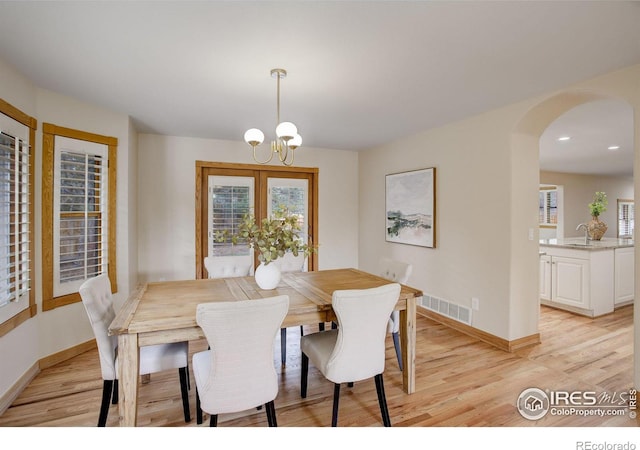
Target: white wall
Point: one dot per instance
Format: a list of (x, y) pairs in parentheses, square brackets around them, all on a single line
[(166, 188), (52, 331), (19, 349), (66, 112), (132, 209), (487, 197), (578, 193), (471, 258)]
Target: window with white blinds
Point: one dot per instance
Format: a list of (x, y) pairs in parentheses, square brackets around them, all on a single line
[(548, 206), (626, 212), (15, 218), (80, 208), (230, 198)]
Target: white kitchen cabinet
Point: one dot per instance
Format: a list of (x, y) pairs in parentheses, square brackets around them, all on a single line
[(624, 276), (578, 280), (570, 281), (545, 277)]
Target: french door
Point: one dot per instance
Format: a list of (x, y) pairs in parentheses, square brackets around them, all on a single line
[(225, 192)]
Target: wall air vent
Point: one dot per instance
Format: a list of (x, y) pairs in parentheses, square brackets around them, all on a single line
[(447, 309)]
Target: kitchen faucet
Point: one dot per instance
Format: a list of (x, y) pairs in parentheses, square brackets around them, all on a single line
[(586, 232)]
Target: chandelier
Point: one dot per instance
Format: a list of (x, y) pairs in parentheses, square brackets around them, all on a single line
[(287, 137)]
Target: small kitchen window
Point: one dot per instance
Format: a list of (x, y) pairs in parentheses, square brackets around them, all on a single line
[(548, 207), (625, 218)]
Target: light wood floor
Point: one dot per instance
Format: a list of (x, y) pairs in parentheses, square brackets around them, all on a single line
[(460, 382)]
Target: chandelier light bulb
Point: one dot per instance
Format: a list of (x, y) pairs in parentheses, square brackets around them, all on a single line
[(254, 137), (295, 142), (286, 131)]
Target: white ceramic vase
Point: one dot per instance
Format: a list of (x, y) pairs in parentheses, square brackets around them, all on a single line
[(267, 276)]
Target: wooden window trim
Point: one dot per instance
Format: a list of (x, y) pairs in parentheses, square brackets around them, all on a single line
[(260, 173), (31, 123), (49, 131)]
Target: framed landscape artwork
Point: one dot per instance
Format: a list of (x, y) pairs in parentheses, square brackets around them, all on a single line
[(410, 207)]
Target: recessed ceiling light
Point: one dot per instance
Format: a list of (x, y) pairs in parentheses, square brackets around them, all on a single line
[(564, 138), (613, 147)]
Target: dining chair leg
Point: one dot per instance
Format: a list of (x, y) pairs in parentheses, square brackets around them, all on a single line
[(271, 413), (382, 400), (283, 346), (185, 395), (301, 330), (396, 344), (213, 421), (321, 326), (107, 387), (114, 396), (336, 400), (198, 408), (304, 372)]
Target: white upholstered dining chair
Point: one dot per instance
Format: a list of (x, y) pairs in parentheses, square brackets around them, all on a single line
[(238, 372), (98, 302), (356, 349), (240, 266), (399, 272), (288, 263), (228, 266)]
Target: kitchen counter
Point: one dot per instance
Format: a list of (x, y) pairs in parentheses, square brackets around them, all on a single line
[(579, 243), (590, 278)]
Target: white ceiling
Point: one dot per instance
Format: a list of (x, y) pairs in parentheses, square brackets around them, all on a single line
[(360, 73), (592, 128)]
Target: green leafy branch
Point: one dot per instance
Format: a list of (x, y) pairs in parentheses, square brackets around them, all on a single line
[(272, 238), (599, 204)]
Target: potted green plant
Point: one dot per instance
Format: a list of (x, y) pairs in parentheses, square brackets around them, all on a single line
[(270, 238), (596, 228)]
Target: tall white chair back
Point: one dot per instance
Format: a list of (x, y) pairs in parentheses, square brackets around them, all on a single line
[(359, 352), (228, 266), (356, 349), (238, 372), (98, 303), (97, 299), (398, 272), (289, 263)]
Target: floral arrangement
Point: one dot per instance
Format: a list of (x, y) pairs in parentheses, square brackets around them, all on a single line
[(272, 237), (599, 204)]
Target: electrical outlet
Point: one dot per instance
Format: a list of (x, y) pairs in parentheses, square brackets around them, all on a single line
[(475, 303)]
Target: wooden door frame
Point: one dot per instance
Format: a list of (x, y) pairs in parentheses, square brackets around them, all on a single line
[(260, 174)]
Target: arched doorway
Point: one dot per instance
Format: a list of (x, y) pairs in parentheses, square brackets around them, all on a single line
[(525, 185)]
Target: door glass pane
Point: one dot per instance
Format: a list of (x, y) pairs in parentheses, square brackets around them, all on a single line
[(230, 198), (293, 194)]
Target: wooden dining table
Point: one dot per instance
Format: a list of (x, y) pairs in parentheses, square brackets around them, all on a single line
[(164, 312)]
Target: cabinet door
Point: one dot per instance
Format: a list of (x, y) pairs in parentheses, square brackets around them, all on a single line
[(570, 281), (545, 277), (624, 274)]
